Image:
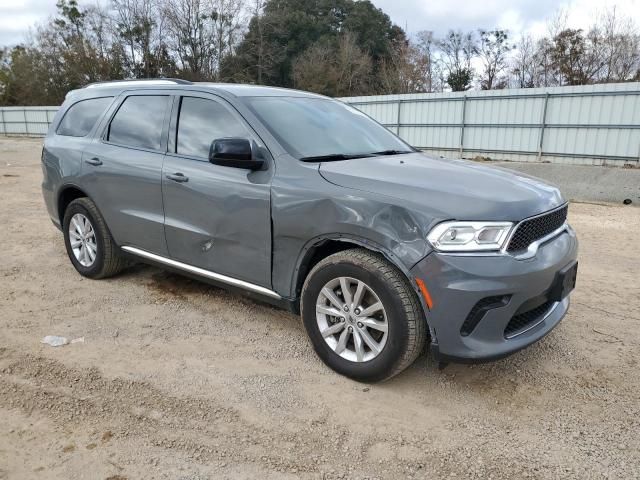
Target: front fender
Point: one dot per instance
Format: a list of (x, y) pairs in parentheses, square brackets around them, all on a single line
[(300, 224)]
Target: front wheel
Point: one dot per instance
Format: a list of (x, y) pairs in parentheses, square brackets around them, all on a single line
[(362, 316)]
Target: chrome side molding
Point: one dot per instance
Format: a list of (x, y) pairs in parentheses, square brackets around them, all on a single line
[(202, 272)]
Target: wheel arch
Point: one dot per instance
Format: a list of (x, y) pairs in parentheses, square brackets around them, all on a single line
[(67, 194), (322, 246)]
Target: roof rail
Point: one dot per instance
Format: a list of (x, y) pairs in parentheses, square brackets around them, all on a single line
[(138, 81)]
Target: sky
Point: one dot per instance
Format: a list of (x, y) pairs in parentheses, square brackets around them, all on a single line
[(526, 16), (16, 16)]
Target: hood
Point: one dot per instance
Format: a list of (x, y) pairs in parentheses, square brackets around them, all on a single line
[(446, 188)]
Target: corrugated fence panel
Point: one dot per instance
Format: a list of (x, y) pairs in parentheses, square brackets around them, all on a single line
[(29, 121), (385, 113), (593, 124)]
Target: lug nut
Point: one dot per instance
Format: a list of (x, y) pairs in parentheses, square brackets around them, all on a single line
[(360, 325), (350, 328), (342, 320), (357, 311), (346, 309)]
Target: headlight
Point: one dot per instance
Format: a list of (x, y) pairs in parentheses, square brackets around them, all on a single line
[(469, 236)]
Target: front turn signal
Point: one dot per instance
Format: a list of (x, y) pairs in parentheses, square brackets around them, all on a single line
[(425, 293)]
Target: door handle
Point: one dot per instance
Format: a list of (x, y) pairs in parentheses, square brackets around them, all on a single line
[(95, 161), (178, 177)]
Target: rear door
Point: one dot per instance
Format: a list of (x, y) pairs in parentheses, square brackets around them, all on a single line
[(216, 217), (122, 169)]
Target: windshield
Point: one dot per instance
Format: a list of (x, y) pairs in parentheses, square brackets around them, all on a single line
[(309, 128)]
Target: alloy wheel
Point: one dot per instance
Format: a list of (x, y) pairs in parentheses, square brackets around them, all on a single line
[(82, 238), (352, 319)]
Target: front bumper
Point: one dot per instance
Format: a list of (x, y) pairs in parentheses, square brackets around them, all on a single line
[(458, 283)]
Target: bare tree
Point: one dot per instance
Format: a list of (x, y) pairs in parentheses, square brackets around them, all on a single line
[(578, 58), (493, 50), (545, 64), (140, 25), (258, 12), (319, 46), (407, 70), (426, 46), (457, 51), (352, 66), (312, 70), (340, 70), (191, 24), (229, 22), (523, 65), (621, 45)]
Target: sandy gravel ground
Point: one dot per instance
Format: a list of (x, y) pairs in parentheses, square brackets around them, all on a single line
[(179, 380)]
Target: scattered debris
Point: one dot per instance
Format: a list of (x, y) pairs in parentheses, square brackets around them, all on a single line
[(56, 341), (627, 201)]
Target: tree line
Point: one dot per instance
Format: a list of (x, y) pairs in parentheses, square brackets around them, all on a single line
[(333, 47)]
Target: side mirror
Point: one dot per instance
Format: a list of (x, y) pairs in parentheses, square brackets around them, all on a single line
[(234, 152)]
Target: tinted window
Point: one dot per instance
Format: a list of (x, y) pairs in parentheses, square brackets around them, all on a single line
[(82, 116), (138, 122), (309, 127), (201, 122)]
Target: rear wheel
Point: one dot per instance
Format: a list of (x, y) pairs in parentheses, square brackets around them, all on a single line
[(362, 316), (89, 245)]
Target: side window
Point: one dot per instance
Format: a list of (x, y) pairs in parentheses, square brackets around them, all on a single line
[(82, 116), (138, 122), (202, 121)]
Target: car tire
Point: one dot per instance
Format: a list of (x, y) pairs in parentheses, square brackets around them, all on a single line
[(366, 355), (89, 244)]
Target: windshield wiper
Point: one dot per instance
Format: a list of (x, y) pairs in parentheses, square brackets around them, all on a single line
[(335, 156), (392, 152)]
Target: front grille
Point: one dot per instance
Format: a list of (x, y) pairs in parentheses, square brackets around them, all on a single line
[(523, 320), (536, 228), (479, 310)]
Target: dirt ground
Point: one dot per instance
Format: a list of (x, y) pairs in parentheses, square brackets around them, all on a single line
[(179, 380)]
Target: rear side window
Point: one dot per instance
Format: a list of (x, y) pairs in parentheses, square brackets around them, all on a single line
[(201, 122), (82, 116), (138, 122)]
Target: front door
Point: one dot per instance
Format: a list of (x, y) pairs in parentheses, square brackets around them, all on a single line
[(122, 170), (216, 217)]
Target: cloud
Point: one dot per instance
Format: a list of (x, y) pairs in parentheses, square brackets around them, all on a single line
[(514, 15), (18, 16)]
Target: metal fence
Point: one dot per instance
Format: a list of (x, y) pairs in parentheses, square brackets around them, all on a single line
[(27, 121), (594, 124)]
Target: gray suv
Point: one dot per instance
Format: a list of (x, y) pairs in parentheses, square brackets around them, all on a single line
[(305, 202)]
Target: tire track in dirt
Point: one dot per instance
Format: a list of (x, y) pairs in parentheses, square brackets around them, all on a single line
[(200, 428)]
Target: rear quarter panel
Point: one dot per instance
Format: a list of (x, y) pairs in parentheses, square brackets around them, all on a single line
[(61, 167), (62, 156)]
